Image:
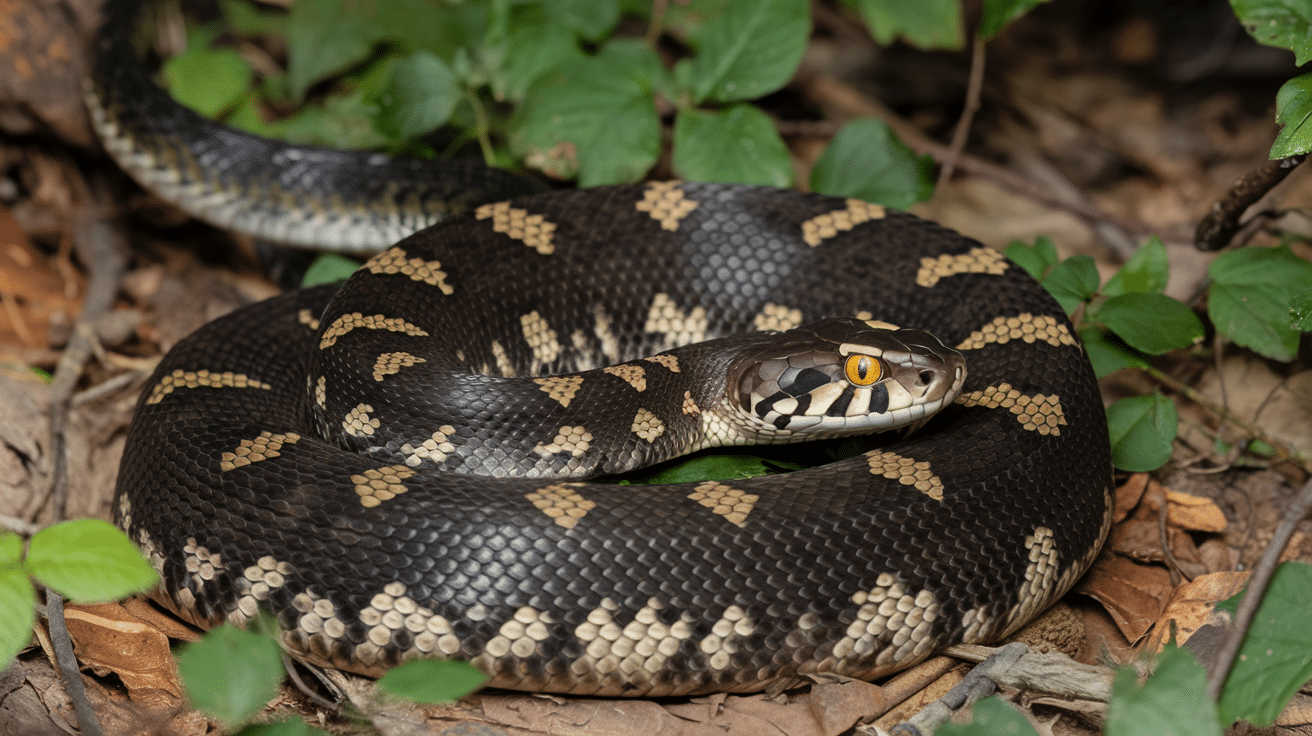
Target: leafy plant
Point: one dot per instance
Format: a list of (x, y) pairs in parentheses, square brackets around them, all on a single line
[(85, 561)]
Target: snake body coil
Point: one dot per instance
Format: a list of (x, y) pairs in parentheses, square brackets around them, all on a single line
[(258, 473)]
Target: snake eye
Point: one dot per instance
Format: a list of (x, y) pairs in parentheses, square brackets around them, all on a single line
[(863, 370)]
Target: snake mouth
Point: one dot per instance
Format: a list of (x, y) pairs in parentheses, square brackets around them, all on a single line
[(841, 377)]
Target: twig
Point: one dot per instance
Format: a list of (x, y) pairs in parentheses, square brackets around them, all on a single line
[(976, 685), (1172, 564), (1221, 222), (1257, 584), (968, 110), (1296, 456), (656, 25), (67, 660), (16, 524)]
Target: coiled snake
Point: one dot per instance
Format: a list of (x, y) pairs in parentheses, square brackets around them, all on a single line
[(278, 458)]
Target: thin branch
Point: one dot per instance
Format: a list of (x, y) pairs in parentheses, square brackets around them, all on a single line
[(67, 661), (1257, 585), (1221, 222), (973, 90)]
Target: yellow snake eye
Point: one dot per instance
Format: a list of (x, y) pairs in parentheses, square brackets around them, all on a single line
[(862, 370)]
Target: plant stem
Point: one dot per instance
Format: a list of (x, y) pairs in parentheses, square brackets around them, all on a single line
[(481, 128)]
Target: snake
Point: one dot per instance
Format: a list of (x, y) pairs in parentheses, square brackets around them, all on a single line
[(406, 466)]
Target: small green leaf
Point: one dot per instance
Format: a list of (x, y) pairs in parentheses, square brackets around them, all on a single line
[(208, 81), (293, 727), (1108, 354), (230, 674), (246, 19), (1276, 657), (990, 717), (749, 51), (1172, 702), (867, 161), (929, 24), (1250, 296), (1279, 23), (432, 680), (420, 96), (737, 145), (1293, 111), (329, 268), (734, 464), (343, 120), (1145, 271), (532, 51), (88, 561), (1037, 259), (1300, 311), (17, 600), (999, 13), (1141, 429), (1072, 281), (1151, 322), (592, 19), (324, 37), (595, 117)]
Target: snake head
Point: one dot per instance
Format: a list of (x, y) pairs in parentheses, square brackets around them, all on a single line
[(843, 376)]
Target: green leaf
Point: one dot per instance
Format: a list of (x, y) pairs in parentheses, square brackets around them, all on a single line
[(736, 145), (1172, 702), (1145, 271), (1281, 23), (1108, 354), (294, 727), (591, 19), (1293, 111), (1250, 296), (88, 561), (208, 81), (1276, 657), (420, 96), (734, 464), (343, 121), (17, 600), (530, 52), (749, 51), (929, 24), (867, 161), (1072, 281), (1037, 259), (323, 38), (1141, 430), (230, 674), (999, 13), (1151, 322), (1300, 311), (246, 19), (595, 117), (329, 268), (432, 680), (990, 717)]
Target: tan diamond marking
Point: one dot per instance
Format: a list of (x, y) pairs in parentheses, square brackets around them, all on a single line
[(670, 362), (308, 319), (394, 261), (628, 652), (731, 503), (907, 471), (666, 204), (610, 344), (376, 485), (355, 320), (202, 564), (533, 230), (202, 378), (665, 317), (777, 317), (689, 406), (264, 447), (358, 422), (634, 375), (540, 337), (979, 260), (560, 388), (389, 363), (820, 227), (647, 425), (571, 439), (892, 623), (561, 503), (1024, 326), (435, 448), (504, 366), (1037, 413)]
